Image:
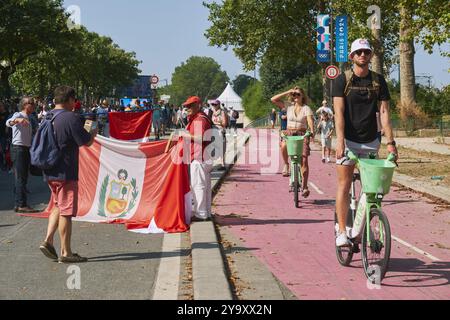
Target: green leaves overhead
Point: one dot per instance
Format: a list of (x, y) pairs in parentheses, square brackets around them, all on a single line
[(42, 52), (200, 76)]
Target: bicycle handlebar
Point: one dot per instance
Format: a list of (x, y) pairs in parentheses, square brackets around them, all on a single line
[(306, 135), (391, 157)]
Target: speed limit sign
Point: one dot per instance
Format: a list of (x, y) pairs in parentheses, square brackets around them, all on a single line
[(154, 79), (332, 72)]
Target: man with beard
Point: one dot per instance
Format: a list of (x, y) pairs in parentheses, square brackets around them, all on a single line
[(358, 95)]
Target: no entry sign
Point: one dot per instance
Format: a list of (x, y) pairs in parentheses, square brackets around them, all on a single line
[(154, 79), (332, 72)]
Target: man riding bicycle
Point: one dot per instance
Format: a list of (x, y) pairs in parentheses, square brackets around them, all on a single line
[(358, 95)]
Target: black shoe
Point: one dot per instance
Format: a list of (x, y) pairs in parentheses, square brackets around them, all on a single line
[(197, 219), (222, 168), (27, 210)]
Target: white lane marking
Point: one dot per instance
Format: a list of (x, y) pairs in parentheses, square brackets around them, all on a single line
[(316, 188), (426, 254), (167, 280)]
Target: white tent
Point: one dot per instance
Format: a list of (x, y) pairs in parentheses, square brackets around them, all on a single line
[(231, 99)]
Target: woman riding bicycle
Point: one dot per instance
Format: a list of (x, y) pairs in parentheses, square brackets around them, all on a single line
[(300, 119)]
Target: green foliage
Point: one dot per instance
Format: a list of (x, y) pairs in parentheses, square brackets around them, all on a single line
[(264, 28), (45, 53), (434, 102), (279, 72), (241, 83), (198, 76), (254, 102)]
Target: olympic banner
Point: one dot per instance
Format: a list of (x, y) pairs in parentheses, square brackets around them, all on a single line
[(341, 33), (323, 38)]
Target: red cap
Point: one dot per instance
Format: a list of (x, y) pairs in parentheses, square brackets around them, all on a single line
[(192, 100), (77, 105)]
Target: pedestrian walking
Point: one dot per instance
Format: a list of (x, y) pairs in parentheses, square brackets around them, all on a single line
[(63, 178), (220, 122), (326, 128), (234, 116), (273, 118)]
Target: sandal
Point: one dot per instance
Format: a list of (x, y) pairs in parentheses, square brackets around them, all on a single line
[(48, 250), (75, 258), (286, 172), (305, 193)]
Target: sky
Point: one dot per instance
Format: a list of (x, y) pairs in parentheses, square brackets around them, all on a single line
[(165, 33)]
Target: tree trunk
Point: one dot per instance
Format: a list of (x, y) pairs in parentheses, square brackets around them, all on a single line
[(377, 59), (407, 51), (4, 83)]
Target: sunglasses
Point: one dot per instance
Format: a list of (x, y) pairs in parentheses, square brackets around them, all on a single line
[(296, 94), (367, 52)]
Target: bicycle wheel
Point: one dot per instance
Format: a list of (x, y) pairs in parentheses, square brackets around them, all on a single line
[(376, 254), (344, 254), (296, 184)]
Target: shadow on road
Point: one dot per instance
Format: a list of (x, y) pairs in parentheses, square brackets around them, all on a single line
[(140, 256), (232, 221), (416, 273)]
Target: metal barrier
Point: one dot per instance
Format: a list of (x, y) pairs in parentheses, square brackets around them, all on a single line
[(259, 123)]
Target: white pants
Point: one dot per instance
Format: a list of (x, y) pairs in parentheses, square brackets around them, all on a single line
[(201, 188)]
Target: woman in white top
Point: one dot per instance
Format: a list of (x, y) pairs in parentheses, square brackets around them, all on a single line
[(300, 119)]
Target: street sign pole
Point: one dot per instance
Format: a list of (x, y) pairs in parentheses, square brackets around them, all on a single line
[(331, 52)]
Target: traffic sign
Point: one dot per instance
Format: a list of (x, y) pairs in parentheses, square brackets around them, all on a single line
[(332, 72), (154, 79)]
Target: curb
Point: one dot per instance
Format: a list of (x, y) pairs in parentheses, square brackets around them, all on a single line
[(210, 279)]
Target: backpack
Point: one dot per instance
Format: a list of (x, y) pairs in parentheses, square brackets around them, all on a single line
[(45, 152), (375, 83), (235, 115)]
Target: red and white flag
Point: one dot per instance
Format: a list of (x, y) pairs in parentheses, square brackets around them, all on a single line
[(130, 126), (136, 184)]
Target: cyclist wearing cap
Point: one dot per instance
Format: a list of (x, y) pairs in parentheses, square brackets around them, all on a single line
[(299, 120), (358, 96)]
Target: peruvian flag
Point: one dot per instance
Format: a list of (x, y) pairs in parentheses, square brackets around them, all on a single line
[(136, 184), (130, 126)]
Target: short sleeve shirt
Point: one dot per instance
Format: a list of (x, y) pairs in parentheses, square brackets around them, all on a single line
[(198, 125), (70, 135), (298, 121), (361, 106)]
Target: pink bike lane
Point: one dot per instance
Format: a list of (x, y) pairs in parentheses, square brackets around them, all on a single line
[(297, 245)]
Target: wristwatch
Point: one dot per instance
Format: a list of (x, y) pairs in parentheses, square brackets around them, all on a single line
[(392, 143)]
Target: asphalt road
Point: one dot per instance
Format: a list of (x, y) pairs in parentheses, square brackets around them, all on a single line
[(122, 265)]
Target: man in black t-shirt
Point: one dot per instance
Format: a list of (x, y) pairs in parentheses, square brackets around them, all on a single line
[(358, 96)]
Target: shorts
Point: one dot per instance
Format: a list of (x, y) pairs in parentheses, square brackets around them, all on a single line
[(362, 150), (326, 142), (65, 197), (306, 147)]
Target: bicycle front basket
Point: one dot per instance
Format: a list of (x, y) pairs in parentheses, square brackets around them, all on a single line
[(294, 145), (376, 175)]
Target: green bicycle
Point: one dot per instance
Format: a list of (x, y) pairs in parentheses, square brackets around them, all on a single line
[(366, 223), (295, 152)]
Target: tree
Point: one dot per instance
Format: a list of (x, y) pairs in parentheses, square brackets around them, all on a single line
[(92, 64), (254, 103), (241, 83), (27, 28), (278, 72), (200, 76), (264, 28)]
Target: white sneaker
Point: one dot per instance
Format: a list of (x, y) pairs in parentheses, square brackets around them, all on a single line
[(342, 240), (328, 160)]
